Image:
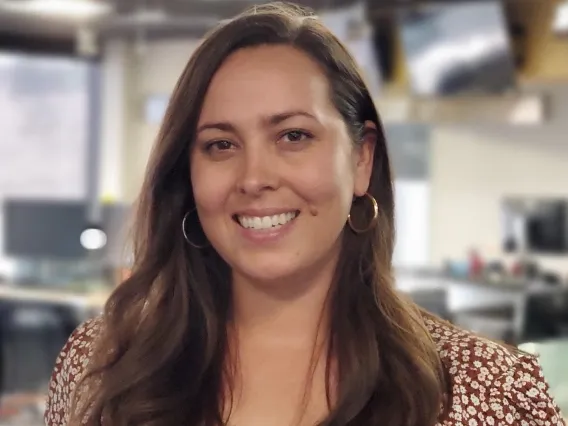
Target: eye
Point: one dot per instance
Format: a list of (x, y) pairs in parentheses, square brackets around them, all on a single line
[(295, 136), (222, 145)]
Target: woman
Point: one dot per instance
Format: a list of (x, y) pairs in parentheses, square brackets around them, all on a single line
[(262, 292)]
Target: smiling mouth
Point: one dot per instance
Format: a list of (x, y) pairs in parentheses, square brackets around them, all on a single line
[(266, 222)]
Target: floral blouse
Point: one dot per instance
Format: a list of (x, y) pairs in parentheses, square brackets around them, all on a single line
[(491, 385)]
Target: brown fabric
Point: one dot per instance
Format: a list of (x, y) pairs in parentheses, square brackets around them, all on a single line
[(491, 385)]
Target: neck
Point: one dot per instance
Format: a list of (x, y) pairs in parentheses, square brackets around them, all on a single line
[(289, 312)]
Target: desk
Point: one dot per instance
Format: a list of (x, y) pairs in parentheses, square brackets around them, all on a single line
[(466, 295), (34, 325)]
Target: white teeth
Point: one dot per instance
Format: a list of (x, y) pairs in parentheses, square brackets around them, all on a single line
[(266, 222), (256, 222)]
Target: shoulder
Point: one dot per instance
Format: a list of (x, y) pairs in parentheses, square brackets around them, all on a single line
[(490, 383), (69, 368)]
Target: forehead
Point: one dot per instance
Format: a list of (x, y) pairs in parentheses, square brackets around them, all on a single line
[(267, 79)]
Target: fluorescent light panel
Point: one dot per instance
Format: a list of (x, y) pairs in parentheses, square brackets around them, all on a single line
[(79, 9)]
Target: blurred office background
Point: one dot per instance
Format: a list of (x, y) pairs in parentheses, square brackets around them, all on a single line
[(474, 98)]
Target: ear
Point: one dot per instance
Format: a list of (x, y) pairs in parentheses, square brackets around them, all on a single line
[(364, 155)]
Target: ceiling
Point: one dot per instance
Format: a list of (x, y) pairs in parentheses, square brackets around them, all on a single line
[(222, 8), (180, 17), (194, 17), (184, 17)]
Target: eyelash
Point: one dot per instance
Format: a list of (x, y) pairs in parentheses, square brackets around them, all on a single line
[(306, 136)]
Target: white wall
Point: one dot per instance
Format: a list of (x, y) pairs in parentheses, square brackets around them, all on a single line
[(130, 77), (473, 169), (157, 71), (412, 199)]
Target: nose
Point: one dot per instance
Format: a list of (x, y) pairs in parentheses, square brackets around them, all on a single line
[(258, 172)]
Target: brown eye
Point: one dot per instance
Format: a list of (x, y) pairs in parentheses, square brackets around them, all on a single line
[(295, 136), (222, 145)]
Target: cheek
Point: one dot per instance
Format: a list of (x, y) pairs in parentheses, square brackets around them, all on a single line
[(210, 199), (209, 191), (329, 180)]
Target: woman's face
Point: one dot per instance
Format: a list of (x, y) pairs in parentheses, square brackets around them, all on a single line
[(273, 168)]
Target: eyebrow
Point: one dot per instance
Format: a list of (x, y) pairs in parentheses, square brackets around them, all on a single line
[(268, 121)]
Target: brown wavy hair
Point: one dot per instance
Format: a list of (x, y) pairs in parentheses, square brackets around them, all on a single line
[(163, 355)]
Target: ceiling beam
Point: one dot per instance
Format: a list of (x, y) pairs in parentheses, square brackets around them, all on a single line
[(37, 44), (222, 8)]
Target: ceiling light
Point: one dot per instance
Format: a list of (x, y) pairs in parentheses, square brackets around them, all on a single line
[(560, 24), (79, 9)]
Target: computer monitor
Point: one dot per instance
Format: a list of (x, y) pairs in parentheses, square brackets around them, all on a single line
[(51, 229)]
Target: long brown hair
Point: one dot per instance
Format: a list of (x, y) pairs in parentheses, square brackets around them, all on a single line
[(162, 356)]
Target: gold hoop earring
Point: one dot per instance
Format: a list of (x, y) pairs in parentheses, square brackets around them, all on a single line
[(373, 221), (186, 236)]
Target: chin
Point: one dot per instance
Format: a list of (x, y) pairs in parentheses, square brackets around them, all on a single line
[(281, 268), (268, 272), (279, 272)]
